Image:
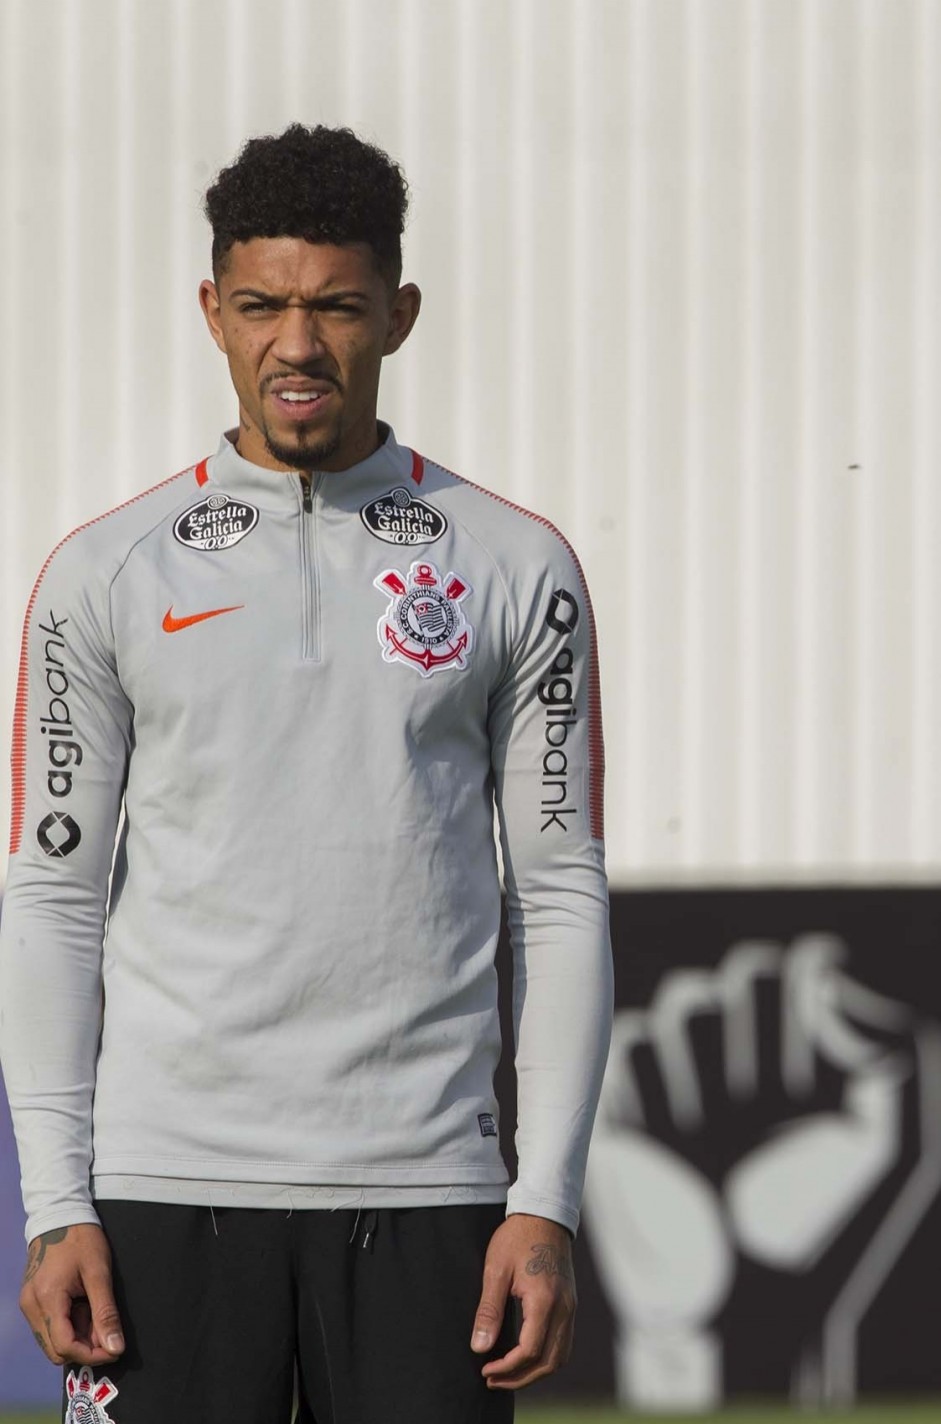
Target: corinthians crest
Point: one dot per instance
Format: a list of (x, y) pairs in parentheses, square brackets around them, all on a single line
[(424, 625), (87, 1398)]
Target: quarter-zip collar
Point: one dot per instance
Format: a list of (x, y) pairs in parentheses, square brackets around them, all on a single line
[(280, 489)]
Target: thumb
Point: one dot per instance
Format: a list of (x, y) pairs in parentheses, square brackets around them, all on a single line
[(490, 1310), (106, 1322)]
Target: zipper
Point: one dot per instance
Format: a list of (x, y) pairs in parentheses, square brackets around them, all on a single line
[(310, 571)]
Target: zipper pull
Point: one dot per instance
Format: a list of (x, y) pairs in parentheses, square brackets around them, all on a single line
[(307, 493)]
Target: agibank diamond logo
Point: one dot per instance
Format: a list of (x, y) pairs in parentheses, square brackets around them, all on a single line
[(424, 625), (88, 1398), (58, 834)]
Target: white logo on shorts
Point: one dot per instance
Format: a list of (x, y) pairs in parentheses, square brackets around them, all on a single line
[(88, 1398)]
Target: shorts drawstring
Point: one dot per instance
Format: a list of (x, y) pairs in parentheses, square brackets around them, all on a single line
[(370, 1222)]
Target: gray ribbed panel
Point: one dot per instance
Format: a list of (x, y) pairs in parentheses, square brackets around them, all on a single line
[(681, 270)]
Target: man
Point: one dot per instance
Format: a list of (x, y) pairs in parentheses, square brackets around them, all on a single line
[(257, 1128)]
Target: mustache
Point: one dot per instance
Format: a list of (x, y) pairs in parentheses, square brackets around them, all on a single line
[(312, 373)]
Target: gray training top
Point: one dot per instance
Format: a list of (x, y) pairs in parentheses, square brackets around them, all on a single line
[(307, 696)]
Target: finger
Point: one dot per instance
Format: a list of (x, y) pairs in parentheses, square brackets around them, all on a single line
[(555, 1351), (39, 1318), (680, 998), (534, 1332), (491, 1308), (849, 1024), (41, 1336), (67, 1346), (745, 976), (107, 1330), (85, 1333), (57, 1326)]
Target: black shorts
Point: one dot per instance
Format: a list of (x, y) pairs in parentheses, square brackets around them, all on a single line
[(239, 1316)]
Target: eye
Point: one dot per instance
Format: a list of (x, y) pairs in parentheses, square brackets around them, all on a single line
[(258, 305), (344, 308)]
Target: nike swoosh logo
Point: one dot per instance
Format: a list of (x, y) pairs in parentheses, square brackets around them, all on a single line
[(173, 625)]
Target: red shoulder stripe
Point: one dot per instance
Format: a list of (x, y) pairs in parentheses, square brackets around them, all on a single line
[(18, 756)]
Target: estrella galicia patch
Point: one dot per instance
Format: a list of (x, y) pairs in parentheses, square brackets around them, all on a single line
[(399, 517), (88, 1398), (424, 625), (218, 522), (58, 834)]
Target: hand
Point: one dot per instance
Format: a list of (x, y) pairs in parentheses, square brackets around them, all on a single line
[(770, 1111), (530, 1259), (68, 1299)]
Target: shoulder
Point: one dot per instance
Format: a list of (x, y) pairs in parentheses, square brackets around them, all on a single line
[(95, 551), (512, 534)]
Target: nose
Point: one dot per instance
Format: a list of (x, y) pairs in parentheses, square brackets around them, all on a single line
[(299, 339)]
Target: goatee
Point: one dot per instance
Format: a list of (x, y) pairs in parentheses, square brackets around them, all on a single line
[(302, 456)]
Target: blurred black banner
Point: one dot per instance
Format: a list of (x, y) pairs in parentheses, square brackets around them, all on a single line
[(762, 1206)]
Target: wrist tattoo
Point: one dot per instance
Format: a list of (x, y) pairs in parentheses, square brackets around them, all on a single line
[(38, 1248), (549, 1261)]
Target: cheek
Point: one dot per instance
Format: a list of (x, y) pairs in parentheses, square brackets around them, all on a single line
[(242, 364), (362, 362)]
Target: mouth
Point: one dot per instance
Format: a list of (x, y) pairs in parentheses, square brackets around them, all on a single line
[(300, 400)]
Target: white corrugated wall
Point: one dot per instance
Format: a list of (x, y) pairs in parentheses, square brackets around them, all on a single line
[(682, 274)]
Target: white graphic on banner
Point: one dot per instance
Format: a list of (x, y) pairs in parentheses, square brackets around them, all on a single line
[(667, 1230)]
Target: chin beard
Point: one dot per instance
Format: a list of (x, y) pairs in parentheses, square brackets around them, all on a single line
[(302, 456)]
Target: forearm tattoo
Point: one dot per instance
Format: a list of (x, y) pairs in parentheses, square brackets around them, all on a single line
[(38, 1248), (549, 1261)]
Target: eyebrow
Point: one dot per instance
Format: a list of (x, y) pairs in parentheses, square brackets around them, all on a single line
[(325, 299)]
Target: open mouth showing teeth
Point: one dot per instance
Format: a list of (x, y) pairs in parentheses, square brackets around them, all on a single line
[(299, 397)]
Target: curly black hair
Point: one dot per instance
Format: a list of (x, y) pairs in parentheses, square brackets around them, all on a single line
[(320, 184)]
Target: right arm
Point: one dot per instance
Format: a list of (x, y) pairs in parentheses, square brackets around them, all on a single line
[(72, 736)]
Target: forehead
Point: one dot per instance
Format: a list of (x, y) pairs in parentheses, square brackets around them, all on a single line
[(291, 266)]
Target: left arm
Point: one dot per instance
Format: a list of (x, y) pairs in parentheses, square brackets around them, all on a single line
[(547, 758)]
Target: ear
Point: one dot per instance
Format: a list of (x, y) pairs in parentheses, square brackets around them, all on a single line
[(403, 314), (211, 305)]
